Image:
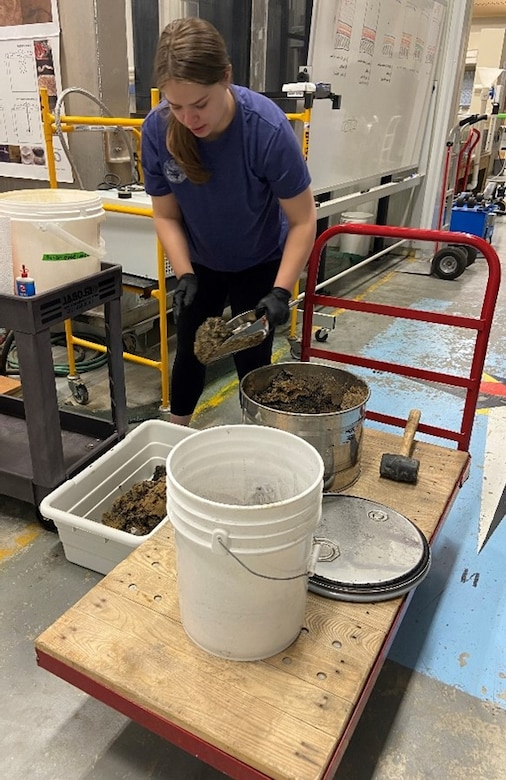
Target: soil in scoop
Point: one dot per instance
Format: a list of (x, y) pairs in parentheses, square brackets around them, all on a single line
[(310, 394), (209, 337), (212, 335), (141, 508)]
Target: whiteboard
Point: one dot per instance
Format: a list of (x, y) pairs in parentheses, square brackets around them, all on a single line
[(380, 56)]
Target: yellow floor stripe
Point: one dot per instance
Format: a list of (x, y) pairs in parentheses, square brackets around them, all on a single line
[(20, 542)]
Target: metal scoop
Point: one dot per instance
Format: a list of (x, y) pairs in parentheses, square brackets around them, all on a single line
[(246, 331)]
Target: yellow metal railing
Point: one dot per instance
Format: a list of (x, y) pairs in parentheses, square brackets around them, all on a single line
[(304, 117), (68, 124)]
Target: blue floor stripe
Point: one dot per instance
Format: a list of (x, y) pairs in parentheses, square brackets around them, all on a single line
[(455, 627)]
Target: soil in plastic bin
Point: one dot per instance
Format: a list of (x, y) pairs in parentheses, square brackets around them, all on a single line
[(141, 508), (310, 394)]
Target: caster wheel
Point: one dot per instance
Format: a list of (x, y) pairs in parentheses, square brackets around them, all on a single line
[(45, 522), (449, 263), (321, 335), (79, 392), (295, 348), (130, 343)]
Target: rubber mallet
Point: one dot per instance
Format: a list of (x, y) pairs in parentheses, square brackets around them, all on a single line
[(401, 467)]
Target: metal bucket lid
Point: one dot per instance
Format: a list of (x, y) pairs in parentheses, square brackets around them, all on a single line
[(369, 552)]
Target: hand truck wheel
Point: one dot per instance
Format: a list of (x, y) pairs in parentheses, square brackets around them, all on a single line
[(449, 263)]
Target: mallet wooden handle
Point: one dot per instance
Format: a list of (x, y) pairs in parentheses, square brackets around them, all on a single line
[(409, 432)]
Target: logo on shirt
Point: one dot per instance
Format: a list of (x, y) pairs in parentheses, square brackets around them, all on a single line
[(173, 172)]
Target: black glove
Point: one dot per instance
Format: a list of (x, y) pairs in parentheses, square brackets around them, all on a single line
[(184, 294), (275, 306)]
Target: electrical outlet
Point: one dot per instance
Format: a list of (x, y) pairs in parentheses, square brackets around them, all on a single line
[(116, 147)]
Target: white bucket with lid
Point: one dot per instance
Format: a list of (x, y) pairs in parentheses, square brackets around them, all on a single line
[(55, 234), (355, 245), (244, 501)]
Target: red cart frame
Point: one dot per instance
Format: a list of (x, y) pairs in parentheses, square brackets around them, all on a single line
[(481, 325)]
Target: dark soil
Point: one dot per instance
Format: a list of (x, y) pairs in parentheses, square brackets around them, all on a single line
[(213, 333), (310, 394), (142, 508), (210, 336)]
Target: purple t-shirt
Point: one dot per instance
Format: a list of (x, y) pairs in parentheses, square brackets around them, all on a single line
[(233, 221)]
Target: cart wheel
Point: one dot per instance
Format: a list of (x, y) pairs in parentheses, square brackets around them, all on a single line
[(460, 200), (471, 201), (45, 522), (79, 392), (472, 254), (130, 343), (500, 205), (321, 334), (295, 348), (449, 263), (469, 251)]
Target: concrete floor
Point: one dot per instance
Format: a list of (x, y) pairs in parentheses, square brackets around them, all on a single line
[(422, 720)]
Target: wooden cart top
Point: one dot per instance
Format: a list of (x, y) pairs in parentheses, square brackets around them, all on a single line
[(288, 717)]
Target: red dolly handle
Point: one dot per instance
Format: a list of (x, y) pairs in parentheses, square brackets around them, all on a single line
[(481, 325)]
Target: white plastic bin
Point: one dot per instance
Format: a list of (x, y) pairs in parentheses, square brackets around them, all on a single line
[(76, 507)]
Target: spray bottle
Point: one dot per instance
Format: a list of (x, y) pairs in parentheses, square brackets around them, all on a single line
[(25, 285)]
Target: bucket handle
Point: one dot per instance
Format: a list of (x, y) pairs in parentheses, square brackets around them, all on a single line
[(219, 535), (57, 230)]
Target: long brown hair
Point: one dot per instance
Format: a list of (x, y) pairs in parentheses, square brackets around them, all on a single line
[(189, 50)]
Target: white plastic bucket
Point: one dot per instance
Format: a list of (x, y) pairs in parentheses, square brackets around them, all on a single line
[(355, 245), (55, 234), (244, 501)]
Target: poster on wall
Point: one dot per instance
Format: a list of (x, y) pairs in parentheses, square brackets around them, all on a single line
[(30, 61)]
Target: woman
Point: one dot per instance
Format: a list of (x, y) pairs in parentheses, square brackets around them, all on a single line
[(232, 203)]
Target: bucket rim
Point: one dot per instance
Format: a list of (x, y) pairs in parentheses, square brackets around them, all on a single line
[(266, 544), (236, 429), (357, 215), (308, 415), (26, 205), (64, 194)]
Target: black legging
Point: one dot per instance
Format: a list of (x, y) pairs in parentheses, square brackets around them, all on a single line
[(242, 290)]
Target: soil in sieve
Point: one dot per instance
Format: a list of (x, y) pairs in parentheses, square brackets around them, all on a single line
[(141, 508), (287, 392)]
